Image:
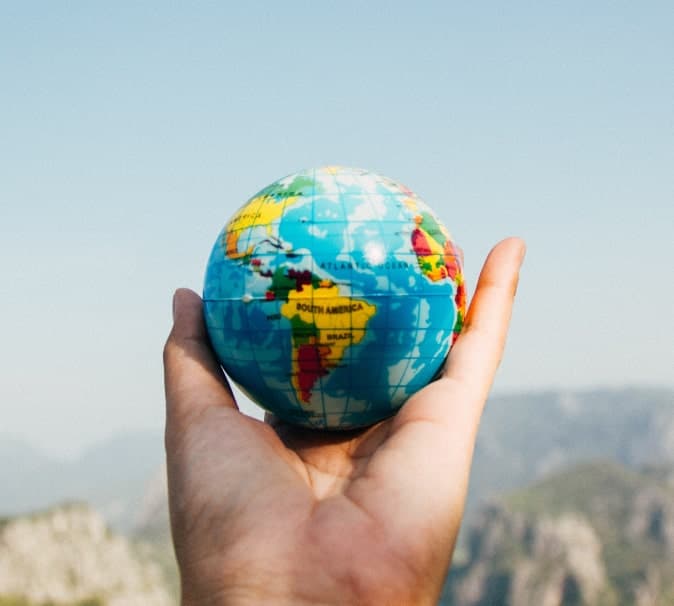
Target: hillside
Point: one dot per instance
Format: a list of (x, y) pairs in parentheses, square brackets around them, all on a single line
[(598, 534), (67, 556)]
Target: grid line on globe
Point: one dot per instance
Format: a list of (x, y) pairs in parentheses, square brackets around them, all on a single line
[(333, 295)]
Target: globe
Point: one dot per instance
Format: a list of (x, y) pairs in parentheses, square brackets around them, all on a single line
[(333, 295)]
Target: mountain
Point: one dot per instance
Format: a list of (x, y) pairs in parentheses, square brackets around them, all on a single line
[(524, 437), (68, 556), (18, 456), (597, 534), (112, 476)]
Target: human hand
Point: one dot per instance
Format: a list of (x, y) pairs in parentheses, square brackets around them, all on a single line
[(266, 513)]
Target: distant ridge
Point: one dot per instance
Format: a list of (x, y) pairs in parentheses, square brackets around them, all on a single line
[(523, 437), (526, 436), (111, 475)]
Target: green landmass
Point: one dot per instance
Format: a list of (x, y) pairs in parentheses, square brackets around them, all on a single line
[(302, 331), (282, 283), (430, 225)]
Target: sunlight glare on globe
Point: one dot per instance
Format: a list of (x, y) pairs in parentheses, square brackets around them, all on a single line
[(333, 295)]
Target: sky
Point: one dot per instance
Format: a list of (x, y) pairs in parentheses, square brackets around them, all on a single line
[(130, 133)]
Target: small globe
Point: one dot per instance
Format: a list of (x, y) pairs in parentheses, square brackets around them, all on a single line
[(332, 296)]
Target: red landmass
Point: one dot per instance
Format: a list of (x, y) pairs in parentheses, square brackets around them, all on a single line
[(420, 243), (300, 277), (310, 367), (460, 297)]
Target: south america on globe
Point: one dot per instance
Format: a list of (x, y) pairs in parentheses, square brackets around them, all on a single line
[(332, 296)]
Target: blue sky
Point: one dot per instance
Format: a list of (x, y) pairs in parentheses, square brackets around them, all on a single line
[(129, 134)]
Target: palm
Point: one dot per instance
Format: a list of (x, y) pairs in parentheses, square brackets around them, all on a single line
[(365, 517)]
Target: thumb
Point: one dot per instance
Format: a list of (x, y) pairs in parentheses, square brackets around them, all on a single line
[(193, 379)]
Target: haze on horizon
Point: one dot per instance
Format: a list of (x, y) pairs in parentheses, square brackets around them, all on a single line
[(130, 134)]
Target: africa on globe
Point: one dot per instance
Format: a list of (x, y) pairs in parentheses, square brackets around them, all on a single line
[(332, 296)]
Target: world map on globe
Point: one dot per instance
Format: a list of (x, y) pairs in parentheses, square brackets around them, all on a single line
[(332, 296)]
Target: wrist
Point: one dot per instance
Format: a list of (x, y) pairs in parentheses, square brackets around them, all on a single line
[(248, 595), (242, 597)]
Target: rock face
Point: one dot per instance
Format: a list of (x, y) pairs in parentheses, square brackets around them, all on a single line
[(68, 555), (559, 561), (571, 547), (597, 534)]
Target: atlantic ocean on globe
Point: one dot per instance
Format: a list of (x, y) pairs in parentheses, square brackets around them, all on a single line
[(332, 296)]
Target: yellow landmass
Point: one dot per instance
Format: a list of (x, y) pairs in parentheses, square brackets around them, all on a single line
[(328, 311), (261, 211), (411, 203), (340, 322)]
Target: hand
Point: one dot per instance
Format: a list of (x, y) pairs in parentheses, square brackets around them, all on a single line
[(266, 513)]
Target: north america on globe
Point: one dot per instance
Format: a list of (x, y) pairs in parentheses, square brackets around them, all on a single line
[(332, 296)]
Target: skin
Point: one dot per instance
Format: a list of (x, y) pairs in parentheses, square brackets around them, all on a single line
[(265, 513)]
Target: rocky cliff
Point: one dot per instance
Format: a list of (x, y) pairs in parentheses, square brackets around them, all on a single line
[(67, 555), (597, 534)]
